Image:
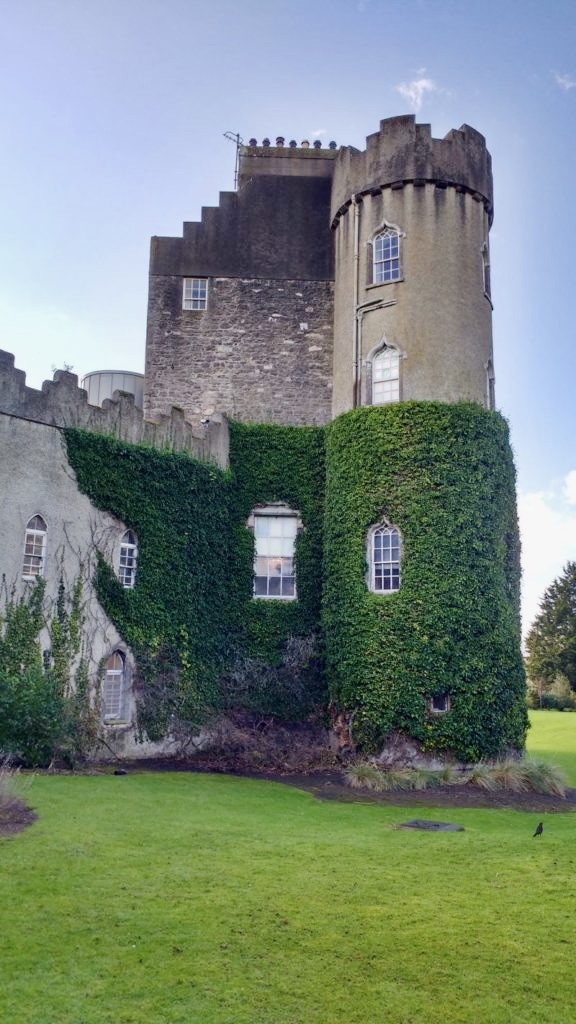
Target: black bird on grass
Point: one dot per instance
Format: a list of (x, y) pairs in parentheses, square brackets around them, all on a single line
[(539, 829)]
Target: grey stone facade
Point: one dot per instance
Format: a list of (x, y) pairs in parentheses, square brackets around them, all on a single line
[(293, 317), (262, 350)]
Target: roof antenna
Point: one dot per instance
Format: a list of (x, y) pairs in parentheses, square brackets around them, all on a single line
[(235, 138)]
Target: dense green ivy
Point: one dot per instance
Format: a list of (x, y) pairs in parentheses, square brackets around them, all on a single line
[(192, 618), (443, 474)]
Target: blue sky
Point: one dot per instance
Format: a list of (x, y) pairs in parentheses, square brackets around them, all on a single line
[(112, 115)]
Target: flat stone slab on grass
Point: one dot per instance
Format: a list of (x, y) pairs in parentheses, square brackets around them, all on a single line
[(431, 826)]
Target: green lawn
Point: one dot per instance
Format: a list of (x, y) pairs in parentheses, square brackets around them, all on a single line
[(160, 899), (553, 737)]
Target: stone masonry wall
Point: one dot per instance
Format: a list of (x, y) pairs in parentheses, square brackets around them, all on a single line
[(61, 403), (261, 352)]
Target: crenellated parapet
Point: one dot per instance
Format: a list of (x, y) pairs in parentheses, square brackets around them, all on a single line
[(404, 153), (61, 403)]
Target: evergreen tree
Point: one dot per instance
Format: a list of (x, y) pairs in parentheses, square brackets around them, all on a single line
[(551, 641)]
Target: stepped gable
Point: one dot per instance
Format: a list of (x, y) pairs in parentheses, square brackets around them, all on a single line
[(61, 403)]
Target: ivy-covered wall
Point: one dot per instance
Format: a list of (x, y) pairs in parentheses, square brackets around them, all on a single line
[(444, 475), (191, 618)]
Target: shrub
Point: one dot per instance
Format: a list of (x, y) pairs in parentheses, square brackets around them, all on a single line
[(11, 787), (365, 775)]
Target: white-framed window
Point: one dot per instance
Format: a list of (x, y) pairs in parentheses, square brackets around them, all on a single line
[(195, 293), (275, 530), (386, 256), (439, 704), (127, 560), (386, 376), (385, 552), (114, 688), (34, 548)]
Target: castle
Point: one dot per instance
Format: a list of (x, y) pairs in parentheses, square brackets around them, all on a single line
[(320, 344)]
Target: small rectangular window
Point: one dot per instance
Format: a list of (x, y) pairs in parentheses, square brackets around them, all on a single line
[(195, 293)]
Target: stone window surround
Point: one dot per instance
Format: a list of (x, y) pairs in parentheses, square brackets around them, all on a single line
[(367, 370), (391, 229)]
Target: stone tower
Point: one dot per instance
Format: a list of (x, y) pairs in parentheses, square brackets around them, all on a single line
[(331, 279), (411, 216)]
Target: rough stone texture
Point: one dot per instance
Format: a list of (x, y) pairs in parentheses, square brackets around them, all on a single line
[(37, 479), (261, 352), (62, 403)]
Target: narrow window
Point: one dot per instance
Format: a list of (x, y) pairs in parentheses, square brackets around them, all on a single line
[(128, 558), (195, 293), (385, 552), (34, 548), (275, 537), (386, 377), (386, 256), (486, 269), (114, 688), (439, 704), (490, 386)]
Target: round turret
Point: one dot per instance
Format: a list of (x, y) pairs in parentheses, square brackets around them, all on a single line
[(413, 315)]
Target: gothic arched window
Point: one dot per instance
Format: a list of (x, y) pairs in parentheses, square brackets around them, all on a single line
[(385, 552), (386, 256), (114, 689), (34, 548), (386, 376)]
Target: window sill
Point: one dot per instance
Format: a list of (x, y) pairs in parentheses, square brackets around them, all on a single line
[(384, 284), (272, 597)]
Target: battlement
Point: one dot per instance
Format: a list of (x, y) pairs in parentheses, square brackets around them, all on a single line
[(402, 153), (293, 160), (61, 403)]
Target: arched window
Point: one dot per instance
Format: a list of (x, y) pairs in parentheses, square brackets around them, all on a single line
[(275, 530), (34, 548), (386, 256), (114, 688), (384, 558), (128, 559), (386, 376)]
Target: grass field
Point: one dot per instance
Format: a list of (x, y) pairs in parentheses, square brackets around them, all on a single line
[(160, 899), (553, 738)]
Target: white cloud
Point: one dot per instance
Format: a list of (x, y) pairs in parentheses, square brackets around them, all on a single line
[(319, 131), (565, 82), (416, 90), (548, 532)]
